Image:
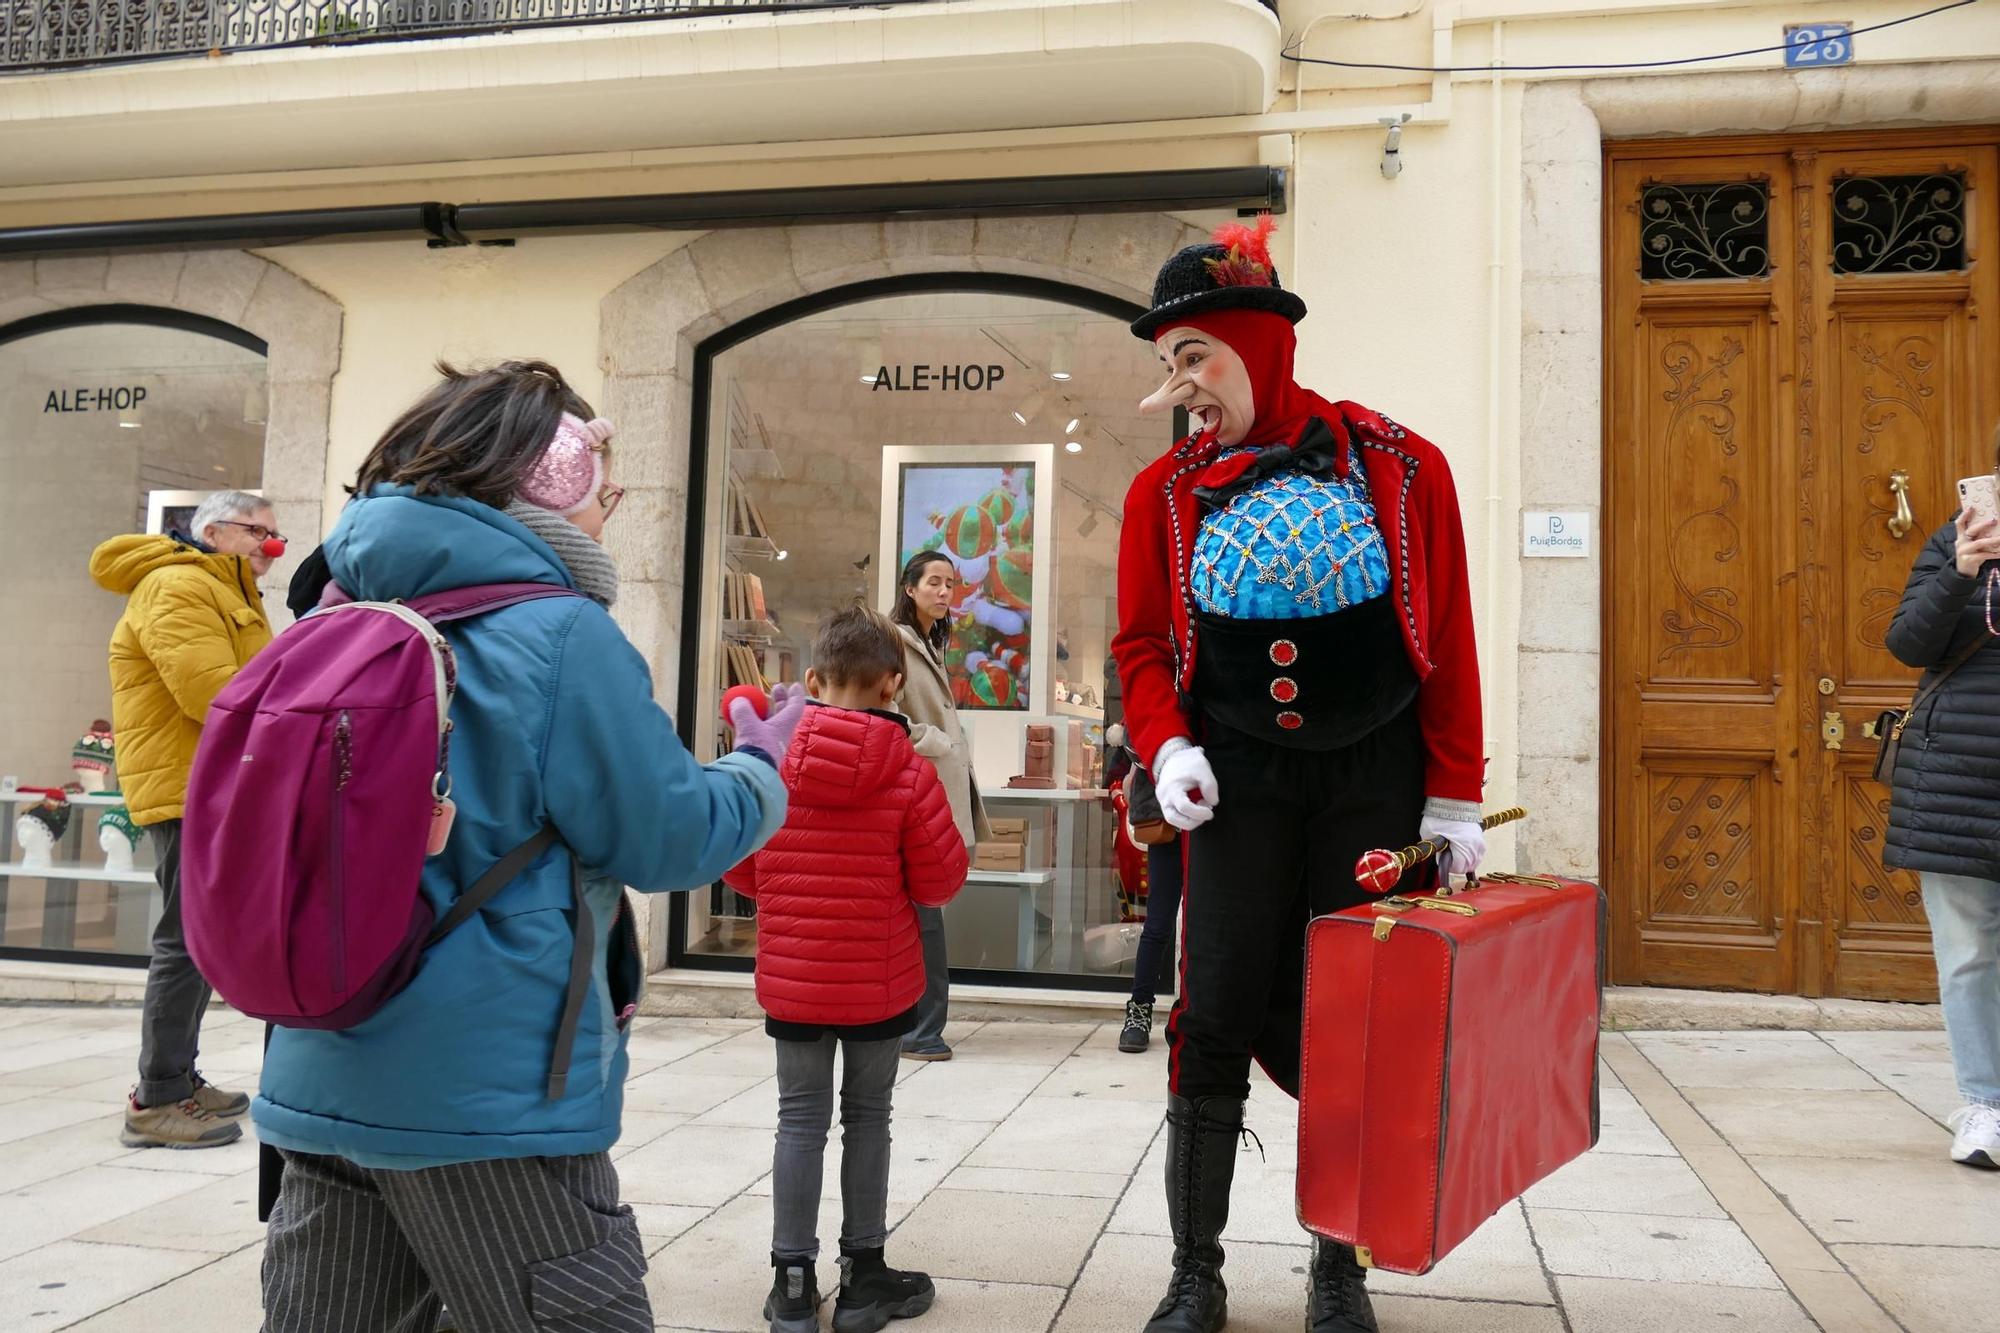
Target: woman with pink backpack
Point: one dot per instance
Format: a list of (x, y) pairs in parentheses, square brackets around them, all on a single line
[(446, 1141)]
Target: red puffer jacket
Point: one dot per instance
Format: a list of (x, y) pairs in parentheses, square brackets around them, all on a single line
[(869, 833)]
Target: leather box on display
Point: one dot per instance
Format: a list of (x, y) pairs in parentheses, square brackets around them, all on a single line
[(1449, 1060)]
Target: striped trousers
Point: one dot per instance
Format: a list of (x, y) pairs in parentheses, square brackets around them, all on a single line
[(514, 1245)]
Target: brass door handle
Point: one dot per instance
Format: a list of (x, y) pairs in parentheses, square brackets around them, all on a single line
[(1833, 730), (1904, 520), (1869, 732)]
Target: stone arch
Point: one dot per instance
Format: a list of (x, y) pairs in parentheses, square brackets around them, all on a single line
[(651, 325), (300, 325)]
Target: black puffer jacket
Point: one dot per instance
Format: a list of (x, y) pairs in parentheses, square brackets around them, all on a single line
[(1944, 814)]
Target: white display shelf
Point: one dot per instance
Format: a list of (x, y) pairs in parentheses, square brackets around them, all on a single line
[(1043, 794), (88, 874), (1081, 712), (752, 548), (102, 801), (751, 629), (1011, 879), (757, 463)]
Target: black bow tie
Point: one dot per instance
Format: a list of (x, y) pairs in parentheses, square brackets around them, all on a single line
[(1316, 455)]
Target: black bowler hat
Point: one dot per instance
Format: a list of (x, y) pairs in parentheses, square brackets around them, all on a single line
[(1231, 272)]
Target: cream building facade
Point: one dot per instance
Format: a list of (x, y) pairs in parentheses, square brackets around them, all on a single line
[(695, 215)]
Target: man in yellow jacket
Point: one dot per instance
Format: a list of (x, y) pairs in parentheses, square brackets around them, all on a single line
[(193, 617)]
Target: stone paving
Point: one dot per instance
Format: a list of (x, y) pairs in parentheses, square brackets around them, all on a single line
[(1768, 1181)]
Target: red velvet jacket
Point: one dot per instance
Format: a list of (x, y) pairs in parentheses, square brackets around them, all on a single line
[(1416, 509), (868, 834)]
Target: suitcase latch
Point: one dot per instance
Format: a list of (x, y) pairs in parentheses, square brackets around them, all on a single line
[(1383, 925), (1504, 877)]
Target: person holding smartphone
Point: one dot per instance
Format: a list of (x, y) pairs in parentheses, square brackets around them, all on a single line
[(1944, 816)]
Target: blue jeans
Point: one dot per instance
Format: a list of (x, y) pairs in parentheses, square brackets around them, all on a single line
[(1965, 933), (1163, 910)]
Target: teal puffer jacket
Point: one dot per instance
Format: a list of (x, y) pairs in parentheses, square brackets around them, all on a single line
[(554, 724)]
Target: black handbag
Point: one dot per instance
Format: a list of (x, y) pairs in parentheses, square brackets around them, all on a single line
[(1149, 822), (1889, 726)]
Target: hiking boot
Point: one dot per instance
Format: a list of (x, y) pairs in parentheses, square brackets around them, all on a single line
[(1201, 1166), (793, 1305), (872, 1293), (176, 1125), (1138, 1033), (1976, 1136), (220, 1102), (930, 1050), (1338, 1301)]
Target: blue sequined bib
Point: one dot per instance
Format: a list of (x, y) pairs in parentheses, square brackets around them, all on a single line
[(1289, 546)]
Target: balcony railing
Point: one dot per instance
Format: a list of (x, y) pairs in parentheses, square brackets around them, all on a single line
[(58, 34)]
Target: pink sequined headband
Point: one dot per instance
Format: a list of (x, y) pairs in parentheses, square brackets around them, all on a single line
[(570, 472)]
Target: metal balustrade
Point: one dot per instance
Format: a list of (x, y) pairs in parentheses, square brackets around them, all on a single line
[(60, 34)]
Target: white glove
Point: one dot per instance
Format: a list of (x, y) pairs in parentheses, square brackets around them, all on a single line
[(1186, 785), (1465, 844)]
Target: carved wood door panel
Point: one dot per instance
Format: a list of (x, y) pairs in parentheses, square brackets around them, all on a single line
[(1702, 757), (1904, 406), (1793, 353)]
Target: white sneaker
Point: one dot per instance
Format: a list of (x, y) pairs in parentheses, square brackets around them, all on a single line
[(1977, 1141)]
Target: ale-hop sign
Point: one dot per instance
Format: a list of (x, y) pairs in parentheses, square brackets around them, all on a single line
[(117, 398), (925, 378)]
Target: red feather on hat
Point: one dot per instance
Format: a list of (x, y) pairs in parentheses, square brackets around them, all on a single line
[(1248, 263)]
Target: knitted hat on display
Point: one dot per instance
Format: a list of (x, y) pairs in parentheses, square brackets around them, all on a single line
[(52, 815), (120, 818), (1231, 272), (570, 472), (95, 751)]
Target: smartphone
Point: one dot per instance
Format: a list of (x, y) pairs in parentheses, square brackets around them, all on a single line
[(1978, 498)]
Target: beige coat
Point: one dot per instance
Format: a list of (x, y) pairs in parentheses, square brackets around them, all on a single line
[(934, 730)]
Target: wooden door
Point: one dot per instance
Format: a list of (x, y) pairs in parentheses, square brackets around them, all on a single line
[(1794, 349)]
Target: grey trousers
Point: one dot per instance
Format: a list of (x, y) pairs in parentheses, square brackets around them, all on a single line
[(935, 1007), (176, 994), (517, 1245), (805, 1112)]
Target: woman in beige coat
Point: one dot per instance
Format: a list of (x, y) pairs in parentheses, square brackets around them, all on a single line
[(923, 604)]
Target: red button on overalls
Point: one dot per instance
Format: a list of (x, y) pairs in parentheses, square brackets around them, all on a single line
[(1284, 652)]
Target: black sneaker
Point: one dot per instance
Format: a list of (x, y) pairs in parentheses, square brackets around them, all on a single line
[(793, 1305), (1138, 1033), (872, 1293)]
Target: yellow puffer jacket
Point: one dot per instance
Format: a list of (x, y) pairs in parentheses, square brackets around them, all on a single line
[(192, 620)]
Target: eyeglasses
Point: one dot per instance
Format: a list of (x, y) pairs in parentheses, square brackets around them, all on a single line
[(257, 530), (608, 498)]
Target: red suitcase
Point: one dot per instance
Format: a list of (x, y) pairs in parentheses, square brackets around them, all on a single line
[(1449, 1060)]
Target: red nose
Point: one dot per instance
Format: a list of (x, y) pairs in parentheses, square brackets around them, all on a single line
[(273, 547)]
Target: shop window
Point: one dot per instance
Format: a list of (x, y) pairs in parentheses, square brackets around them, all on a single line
[(1899, 224), (1000, 426), (105, 428), (1704, 231)]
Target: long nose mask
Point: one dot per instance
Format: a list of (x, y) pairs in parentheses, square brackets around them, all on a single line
[(1174, 393)]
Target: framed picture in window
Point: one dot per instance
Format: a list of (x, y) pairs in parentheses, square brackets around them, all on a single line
[(172, 511), (990, 511)]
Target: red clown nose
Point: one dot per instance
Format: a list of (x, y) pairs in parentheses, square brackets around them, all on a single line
[(273, 547)]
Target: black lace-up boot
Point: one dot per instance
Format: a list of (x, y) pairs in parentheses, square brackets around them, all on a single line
[(1338, 1302), (1201, 1163)]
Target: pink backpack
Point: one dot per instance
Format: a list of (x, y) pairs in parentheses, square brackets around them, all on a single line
[(320, 786)]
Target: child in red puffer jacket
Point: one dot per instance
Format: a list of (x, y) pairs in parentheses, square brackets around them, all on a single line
[(839, 963)]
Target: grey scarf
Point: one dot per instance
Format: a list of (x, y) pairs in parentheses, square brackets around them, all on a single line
[(595, 574)]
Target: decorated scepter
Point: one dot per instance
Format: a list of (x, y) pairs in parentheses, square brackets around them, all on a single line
[(1381, 870)]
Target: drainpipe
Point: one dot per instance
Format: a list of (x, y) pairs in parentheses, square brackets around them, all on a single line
[(1495, 362)]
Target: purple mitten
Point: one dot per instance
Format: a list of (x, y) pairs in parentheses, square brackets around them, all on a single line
[(768, 737)]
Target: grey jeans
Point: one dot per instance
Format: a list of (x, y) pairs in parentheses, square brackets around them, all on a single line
[(935, 1007), (805, 1112), (176, 994)]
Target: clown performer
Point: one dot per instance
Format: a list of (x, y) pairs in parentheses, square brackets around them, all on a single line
[(1295, 644)]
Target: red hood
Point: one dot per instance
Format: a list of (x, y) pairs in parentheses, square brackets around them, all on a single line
[(841, 757)]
